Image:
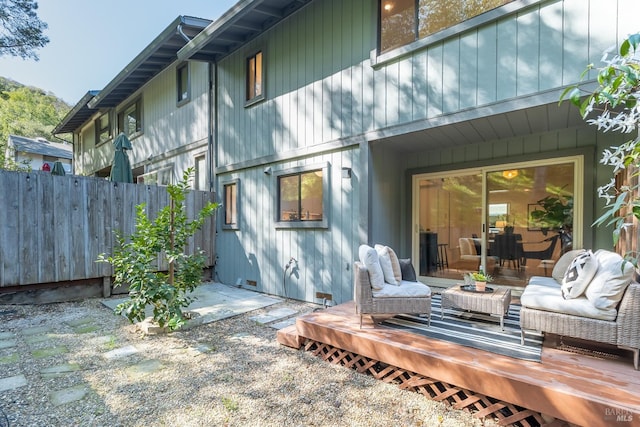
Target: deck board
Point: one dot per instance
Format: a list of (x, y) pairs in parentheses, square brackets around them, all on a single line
[(576, 388)]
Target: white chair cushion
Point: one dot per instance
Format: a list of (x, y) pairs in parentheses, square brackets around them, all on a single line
[(579, 274), (369, 257), (385, 263), (607, 287), (404, 290), (549, 297)]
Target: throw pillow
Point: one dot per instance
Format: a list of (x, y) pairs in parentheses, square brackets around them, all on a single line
[(563, 263), (614, 275), (395, 264), (408, 273), (385, 263), (578, 275), (369, 257)]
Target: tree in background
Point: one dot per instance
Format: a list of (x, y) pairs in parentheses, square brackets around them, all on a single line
[(27, 111), (21, 31)]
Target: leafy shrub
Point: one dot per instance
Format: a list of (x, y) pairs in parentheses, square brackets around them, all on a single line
[(135, 260)]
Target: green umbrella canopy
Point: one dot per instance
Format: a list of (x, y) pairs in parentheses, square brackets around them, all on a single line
[(58, 169), (121, 168)]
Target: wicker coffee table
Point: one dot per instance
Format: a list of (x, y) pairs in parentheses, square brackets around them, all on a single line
[(494, 303)]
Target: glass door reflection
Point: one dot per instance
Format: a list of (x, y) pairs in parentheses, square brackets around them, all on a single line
[(527, 218)]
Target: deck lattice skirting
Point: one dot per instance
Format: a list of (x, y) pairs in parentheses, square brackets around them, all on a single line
[(479, 405)]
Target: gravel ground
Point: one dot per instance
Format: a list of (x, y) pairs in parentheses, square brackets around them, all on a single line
[(228, 373)]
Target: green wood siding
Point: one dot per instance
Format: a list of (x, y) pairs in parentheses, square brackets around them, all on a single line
[(324, 89)]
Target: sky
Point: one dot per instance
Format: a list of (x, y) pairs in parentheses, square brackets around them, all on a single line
[(91, 41)]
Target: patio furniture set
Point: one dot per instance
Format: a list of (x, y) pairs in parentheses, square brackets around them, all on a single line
[(590, 296)]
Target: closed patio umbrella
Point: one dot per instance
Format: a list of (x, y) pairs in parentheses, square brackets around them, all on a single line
[(121, 168), (58, 169)]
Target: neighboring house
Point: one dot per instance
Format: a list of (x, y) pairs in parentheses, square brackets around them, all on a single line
[(160, 103), (39, 153), (336, 123)]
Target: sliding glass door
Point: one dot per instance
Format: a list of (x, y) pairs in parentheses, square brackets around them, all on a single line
[(513, 221)]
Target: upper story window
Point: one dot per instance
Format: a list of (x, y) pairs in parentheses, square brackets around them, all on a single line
[(183, 83), (103, 128), (130, 119), (255, 88), (405, 21)]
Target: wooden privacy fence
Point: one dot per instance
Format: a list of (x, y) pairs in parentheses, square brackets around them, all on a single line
[(52, 228)]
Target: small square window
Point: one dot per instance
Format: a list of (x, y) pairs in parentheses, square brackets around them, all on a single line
[(255, 88), (303, 198), (230, 204), (130, 119), (183, 84)]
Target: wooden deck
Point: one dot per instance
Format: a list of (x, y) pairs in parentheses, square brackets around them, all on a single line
[(576, 388)]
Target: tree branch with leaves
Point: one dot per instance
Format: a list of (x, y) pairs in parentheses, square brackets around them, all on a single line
[(613, 106), (21, 30)]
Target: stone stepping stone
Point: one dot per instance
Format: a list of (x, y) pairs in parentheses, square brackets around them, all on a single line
[(118, 353), (144, 368), (85, 329), (59, 370), (6, 335), (36, 330), (201, 348), (273, 315), (12, 358), (283, 324), (83, 325), (107, 341), (49, 351), (68, 395), (11, 383), (79, 322), (35, 339), (8, 343)]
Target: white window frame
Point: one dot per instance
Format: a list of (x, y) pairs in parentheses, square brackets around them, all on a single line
[(161, 177), (98, 129), (139, 125)]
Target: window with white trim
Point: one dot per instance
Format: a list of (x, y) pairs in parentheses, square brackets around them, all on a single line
[(103, 128), (130, 119), (162, 176)]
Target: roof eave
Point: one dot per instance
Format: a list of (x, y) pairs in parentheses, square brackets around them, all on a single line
[(79, 107), (201, 40), (143, 56)]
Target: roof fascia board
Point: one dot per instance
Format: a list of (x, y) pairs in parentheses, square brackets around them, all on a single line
[(80, 105), (140, 59), (217, 26)]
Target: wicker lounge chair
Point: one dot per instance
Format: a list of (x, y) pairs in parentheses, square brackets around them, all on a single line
[(368, 303), (544, 309)]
